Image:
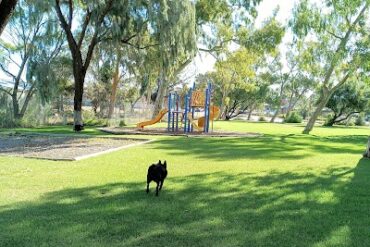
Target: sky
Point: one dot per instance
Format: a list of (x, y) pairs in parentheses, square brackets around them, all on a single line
[(205, 62)]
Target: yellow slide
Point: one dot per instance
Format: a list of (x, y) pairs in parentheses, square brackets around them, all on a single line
[(214, 111), (193, 122), (154, 120)]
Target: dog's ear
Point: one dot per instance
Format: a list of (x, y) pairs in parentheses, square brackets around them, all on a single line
[(165, 164), (159, 163)]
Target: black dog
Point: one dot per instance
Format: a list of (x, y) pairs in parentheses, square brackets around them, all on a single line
[(156, 173)]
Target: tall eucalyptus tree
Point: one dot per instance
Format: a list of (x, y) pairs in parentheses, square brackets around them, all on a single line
[(335, 37)]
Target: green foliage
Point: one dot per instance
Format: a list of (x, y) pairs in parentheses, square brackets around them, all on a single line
[(122, 123), (293, 117), (262, 119), (360, 120), (351, 98), (6, 114), (332, 37), (90, 119), (264, 40)]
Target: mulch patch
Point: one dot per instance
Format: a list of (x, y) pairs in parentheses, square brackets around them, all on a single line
[(163, 131), (56, 147)]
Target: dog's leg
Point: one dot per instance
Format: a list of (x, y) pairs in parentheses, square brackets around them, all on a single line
[(156, 190), (147, 185), (160, 187)]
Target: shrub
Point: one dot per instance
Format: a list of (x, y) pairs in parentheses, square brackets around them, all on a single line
[(360, 121), (294, 117), (328, 119), (262, 119), (6, 119), (95, 122), (122, 123)]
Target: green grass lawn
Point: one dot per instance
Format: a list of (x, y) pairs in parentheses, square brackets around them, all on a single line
[(282, 189)]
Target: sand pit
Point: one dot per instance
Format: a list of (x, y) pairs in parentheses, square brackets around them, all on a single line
[(62, 147)]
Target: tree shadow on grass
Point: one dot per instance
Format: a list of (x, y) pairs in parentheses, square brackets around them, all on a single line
[(214, 209), (287, 147)]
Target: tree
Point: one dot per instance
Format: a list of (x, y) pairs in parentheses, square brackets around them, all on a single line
[(94, 15), (334, 37), (35, 39), (347, 100), (296, 90), (231, 75), (167, 25), (280, 79), (6, 9), (215, 27)]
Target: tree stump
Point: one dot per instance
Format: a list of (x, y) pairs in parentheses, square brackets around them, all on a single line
[(367, 151)]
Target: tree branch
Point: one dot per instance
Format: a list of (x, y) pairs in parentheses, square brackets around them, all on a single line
[(71, 41), (138, 46), (84, 28), (7, 7), (7, 71), (333, 34), (341, 82), (343, 43), (5, 91), (95, 39), (70, 16), (129, 38), (350, 114)]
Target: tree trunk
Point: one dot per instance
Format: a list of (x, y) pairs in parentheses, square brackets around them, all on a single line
[(250, 114), (64, 116), (162, 91), (77, 106), (311, 122), (276, 113), (27, 100), (367, 151), (17, 114), (115, 80), (15, 107), (6, 9)]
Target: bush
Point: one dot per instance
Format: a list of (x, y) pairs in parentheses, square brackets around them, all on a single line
[(262, 119), (89, 119), (122, 123), (328, 119), (95, 122), (6, 119), (294, 117), (360, 121)]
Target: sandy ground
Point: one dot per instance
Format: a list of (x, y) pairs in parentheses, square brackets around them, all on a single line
[(58, 148)]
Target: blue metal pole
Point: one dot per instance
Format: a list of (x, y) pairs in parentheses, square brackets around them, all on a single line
[(205, 112), (209, 104), (186, 112), (190, 126), (177, 112), (169, 112)]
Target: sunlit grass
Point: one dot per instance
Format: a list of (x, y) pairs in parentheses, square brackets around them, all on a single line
[(282, 189)]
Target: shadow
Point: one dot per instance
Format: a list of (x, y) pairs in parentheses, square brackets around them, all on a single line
[(268, 147), (213, 209)]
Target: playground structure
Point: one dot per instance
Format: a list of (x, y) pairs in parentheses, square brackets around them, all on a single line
[(185, 118)]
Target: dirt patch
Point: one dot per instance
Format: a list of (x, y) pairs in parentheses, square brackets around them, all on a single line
[(163, 131), (62, 147)]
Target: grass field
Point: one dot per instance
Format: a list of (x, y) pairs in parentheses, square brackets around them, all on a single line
[(282, 189)]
